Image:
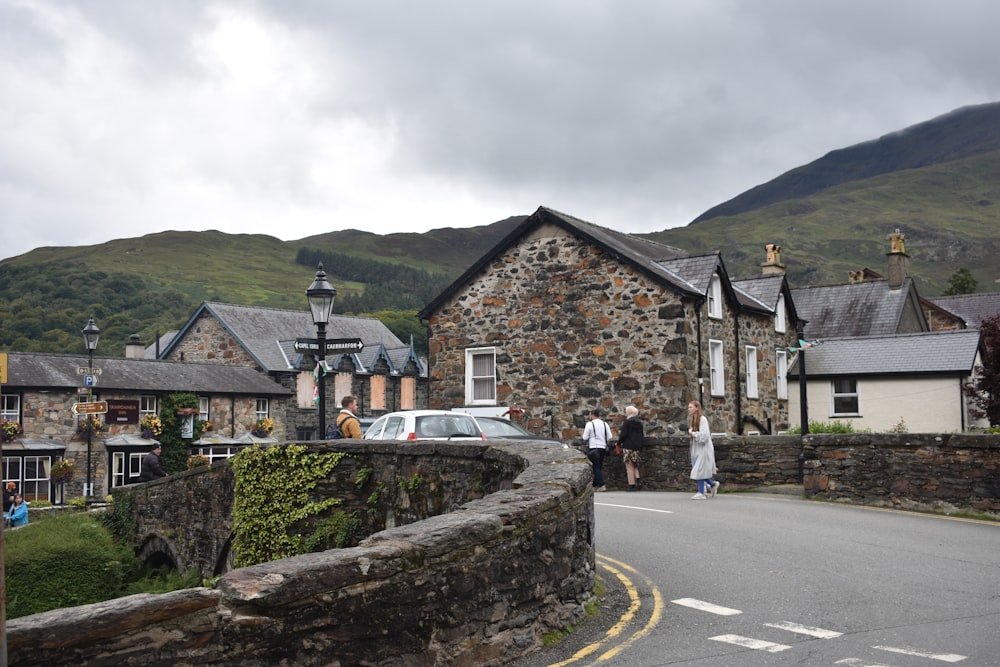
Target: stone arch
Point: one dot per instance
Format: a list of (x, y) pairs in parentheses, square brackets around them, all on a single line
[(224, 563), (158, 552)]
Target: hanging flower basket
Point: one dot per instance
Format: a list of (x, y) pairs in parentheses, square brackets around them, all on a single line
[(62, 471), (263, 427), (9, 430), (151, 427), (92, 425)]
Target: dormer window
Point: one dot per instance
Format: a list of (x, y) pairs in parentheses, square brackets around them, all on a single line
[(715, 297), (779, 315)]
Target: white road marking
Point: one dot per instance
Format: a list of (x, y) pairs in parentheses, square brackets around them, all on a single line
[(819, 633), (862, 663), (706, 606), (747, 642), (633, 507), (943, 657)]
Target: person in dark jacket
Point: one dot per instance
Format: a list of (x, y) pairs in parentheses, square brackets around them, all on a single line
[(8, 495), (631, 439), (151, 468)]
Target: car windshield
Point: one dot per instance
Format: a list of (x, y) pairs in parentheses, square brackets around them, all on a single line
[(498, 428), (446, 426)]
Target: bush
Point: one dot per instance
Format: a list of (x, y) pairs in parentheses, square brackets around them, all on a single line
[(65, 561), (835, 426)]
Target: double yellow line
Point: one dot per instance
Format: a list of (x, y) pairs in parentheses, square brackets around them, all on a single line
[(614, 635)]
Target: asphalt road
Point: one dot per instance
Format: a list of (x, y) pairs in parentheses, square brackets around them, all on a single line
[(753, 579)]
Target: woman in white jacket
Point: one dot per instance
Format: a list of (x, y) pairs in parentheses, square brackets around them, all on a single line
[(702, 453)]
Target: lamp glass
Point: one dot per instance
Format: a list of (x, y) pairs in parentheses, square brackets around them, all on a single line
[(91, 334), (320, 296)]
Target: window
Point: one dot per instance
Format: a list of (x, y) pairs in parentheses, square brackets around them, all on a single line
[(204, 405), (407, 392), (122, 475), (844, 397), (262, 409), (35, 484), (11, 408), (717, 372), (147, 406), (376, 393), (779, 315), (480, 376), (715, 297), (751, 371), (219, 453), (304, 433), (781, 366)]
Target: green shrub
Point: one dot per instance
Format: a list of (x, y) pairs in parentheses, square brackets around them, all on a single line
[(835, 426), (65, 561)]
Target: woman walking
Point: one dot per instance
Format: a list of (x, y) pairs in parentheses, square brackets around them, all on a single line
[(702, 453), (631, 439)]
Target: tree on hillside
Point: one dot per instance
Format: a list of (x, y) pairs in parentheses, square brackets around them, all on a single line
[(961, 282), (984, 390)]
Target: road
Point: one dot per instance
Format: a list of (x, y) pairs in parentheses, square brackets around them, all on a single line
[(755, 579)]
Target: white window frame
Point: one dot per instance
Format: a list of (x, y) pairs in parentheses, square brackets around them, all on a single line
[(204, 408), (781, 371), (148, 405), (716, 368), (262, 408), (10, 410), (715, 297), (481, 376), (780, 325), (836, 395), (753, 389)]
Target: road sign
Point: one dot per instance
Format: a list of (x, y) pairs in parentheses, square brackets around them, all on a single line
[(332, 345), (90, 380), (83, 370), (91, 408)]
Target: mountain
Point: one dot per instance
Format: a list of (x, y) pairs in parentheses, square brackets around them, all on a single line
[(938, 182)]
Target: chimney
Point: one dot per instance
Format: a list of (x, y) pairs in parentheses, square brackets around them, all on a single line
[(899, 261), (855, 277), (134, 349), (773, 265)]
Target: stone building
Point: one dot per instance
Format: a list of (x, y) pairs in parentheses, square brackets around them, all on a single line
[(385, 374), (563, 316), (42, 389)]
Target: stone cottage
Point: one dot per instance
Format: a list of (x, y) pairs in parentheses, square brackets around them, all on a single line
[(385, 374), (41, 392), (563, 316)]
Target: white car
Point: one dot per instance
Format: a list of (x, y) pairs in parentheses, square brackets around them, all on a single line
[(425, 425)]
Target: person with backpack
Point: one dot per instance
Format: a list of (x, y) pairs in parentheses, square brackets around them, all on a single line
[(597, 435), (346, 425)]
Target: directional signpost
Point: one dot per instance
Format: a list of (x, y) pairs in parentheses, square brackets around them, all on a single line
[(90, 408), (332, 345)]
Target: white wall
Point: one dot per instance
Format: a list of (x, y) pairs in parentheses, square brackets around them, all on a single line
[(927, 405)]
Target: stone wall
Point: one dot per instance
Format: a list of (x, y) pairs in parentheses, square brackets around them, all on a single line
[(575, 328), (475, 586)]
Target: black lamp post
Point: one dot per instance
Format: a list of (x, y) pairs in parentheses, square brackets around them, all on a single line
[(90, 335), (320, 296)]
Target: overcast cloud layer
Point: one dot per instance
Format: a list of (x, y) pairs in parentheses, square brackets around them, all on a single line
[(118, 119)]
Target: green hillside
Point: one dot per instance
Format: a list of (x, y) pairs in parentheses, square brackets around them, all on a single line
[(937, 182)]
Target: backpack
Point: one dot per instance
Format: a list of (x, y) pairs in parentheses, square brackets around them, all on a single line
[(334, 432)]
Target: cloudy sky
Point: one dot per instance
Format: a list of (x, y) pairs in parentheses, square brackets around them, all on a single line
[(294, 118)]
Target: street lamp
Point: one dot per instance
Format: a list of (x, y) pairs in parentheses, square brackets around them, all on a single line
[(320, 296), (90, 335)]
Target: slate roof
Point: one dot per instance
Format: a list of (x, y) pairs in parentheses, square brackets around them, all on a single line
[(973, 308), (764, 289), (268, 334), (929, 353), (41, 371), (866, 308), (667, 264)]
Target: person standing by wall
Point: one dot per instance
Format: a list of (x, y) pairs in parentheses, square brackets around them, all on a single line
[(9, 491), (597, 435), (17, 515), (702, 453), (151, 467), (631, 439), (347, 420)]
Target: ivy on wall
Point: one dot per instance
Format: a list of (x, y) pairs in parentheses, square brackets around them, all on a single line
[(174, 457), (272, 496)]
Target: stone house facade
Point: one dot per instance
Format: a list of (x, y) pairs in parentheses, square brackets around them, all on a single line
[(42, 389), (385, 374), (563, 316)]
